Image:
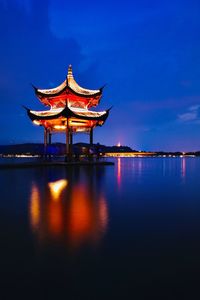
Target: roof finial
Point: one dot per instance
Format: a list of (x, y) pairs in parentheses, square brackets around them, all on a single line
[(70, 74)]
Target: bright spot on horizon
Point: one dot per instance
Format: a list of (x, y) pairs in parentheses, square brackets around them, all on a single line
[(119, 144)]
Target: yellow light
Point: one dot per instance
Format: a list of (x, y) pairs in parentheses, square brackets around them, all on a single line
[(72, 123), (34, 208), (60, 127), (57, 187), (36, 122)]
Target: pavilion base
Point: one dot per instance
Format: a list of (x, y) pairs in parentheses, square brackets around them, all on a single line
[(58, 164)]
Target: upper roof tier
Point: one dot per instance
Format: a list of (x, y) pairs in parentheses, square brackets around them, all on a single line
[(69, 92)]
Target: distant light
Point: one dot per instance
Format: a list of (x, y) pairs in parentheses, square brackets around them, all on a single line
[(119, 144)]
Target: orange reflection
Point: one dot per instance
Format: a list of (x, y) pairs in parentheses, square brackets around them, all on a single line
[(87, 219), (55, 218), (57, 187), (34, 207), (81, 215), (119, 171)]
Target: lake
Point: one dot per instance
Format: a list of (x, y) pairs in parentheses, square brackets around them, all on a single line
[(128, 231)]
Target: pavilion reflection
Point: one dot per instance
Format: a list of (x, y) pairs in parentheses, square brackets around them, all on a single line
[(34, 207), (72, 211), (56, 188)]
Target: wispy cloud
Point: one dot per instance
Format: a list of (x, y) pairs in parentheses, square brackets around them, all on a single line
[(192, 115)]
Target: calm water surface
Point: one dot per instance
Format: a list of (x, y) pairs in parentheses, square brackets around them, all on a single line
[(129, 231)]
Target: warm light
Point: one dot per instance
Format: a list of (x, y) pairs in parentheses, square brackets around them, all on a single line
[(36, 122), (34, 208), (83, 129), (81, 216), (128, 154), (119, 171), (55, 217), (72, 123), (57, 187), (59, 127), (119, 144)]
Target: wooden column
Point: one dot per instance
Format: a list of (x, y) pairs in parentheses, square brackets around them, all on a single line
[(50, 135), (71, 144), (49, 142), (91, 143), (67, 141), (91, 136), (45, 142)]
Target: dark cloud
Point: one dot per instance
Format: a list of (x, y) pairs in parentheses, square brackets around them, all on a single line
[(29, 52), (146, 51)]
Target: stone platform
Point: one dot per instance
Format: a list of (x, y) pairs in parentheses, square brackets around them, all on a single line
[(54, 164)]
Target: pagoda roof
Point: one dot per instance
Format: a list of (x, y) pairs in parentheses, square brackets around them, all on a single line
[(68, 84), (72, 112)]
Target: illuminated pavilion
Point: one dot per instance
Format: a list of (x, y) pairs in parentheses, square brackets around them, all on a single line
[(69, 111)]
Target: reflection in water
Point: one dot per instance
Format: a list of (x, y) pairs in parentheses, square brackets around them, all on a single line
[(119, 171), (183, 167), (54, 217), (75, 215), (140, 166), (80, 215), (87, 219), (57, 187), (34, 207), (103, 214)]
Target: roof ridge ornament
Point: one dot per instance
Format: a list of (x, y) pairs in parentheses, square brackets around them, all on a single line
[(70, 73)]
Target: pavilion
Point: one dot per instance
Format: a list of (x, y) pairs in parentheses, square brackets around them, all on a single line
[(69, 111)]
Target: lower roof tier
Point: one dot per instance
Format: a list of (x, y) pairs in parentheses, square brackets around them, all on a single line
[(77, 119)]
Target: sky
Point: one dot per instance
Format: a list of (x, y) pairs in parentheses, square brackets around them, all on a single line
[(146, 52)]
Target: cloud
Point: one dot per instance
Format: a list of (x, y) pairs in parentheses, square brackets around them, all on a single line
[(191, 116), (194, 107)]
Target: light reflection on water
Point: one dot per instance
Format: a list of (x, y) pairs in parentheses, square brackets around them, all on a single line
[(57, 187), (126, 231), (72, 213)]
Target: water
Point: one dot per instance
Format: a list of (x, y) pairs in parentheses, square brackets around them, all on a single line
[(129, 231)]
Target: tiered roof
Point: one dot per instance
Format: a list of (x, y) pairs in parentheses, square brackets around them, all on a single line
[(69, 105)]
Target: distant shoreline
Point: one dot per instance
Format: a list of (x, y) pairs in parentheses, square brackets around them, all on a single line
[(58, 150)]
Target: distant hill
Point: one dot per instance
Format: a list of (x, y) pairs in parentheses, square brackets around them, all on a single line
[(78, 148), (57, 149)]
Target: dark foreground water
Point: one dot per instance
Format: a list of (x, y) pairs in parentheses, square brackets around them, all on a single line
[(129, 231)]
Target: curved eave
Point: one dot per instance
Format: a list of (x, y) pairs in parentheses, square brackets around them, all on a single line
[(41, 93), (52, 93), (97, 94), (67, 113), (34, 116)]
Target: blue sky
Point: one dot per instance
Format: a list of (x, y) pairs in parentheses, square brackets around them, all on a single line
[(146, 52)]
